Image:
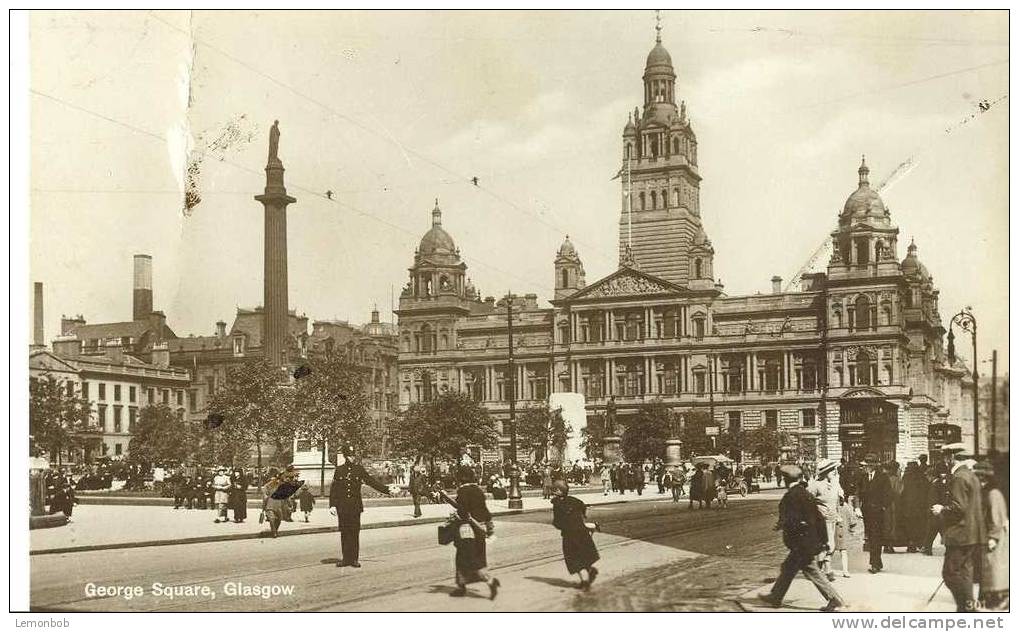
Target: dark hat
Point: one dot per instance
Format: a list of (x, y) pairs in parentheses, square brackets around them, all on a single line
[(791, 472), (871, 459)]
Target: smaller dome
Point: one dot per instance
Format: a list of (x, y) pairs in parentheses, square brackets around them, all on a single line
[(911, 265), (864, 202), (567, 250), (436, 240), (630, 129), (469, 290)]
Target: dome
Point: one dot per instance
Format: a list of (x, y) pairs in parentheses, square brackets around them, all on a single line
[(911, 265), (658, 59), (567, 250), (630, 129), (436, 240), (864, 201)]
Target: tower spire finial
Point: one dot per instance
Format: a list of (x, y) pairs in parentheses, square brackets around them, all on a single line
[(864, 171), (658, 26), (436, 214)]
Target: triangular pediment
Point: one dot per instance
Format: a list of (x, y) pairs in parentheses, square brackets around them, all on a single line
[(43, 361), (626, 282)]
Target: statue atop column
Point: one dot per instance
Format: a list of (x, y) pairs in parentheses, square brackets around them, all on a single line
[(274, 142)]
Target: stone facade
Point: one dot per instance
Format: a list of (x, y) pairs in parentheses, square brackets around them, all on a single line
[(850, 363)]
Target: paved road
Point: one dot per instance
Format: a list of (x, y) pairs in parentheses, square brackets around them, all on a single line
[(655, 555)]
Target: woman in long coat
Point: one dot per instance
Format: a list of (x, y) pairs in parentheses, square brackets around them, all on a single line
[(697, 487), (239, 495), (994, 562), (569, 515), (913, 509), (471, 553)]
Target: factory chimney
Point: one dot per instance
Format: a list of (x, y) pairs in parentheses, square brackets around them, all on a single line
[(142, 287), (38, 338)]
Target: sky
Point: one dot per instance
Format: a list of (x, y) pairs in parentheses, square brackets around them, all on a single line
[(385, 112)]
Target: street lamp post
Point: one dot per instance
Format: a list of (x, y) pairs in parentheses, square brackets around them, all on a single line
[(967, 322), (515, 501)]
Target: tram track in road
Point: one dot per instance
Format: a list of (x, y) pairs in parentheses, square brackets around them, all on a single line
[(630, 525)]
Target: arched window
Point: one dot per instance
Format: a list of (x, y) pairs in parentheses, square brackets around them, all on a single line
[(697, 268), (654, 199), (566, 278), (679, 202), (445, 341), (654, 146), (643, 201), (665, 198), (862, 312), (629, 150), (675, 145)]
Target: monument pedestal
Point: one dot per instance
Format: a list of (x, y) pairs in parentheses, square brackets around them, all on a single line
[(673, 453), (308, 462), (611, 452)]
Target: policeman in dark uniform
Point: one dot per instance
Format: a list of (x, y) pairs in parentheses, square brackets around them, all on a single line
[(345, 503)]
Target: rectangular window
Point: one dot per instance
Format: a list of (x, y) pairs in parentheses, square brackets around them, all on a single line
[(132, 393), (116, 392), (102, 391), (101, 416), (117, 411), (132, 417), (180, 397), (193, 400), (84, 390), (70, 388), (118, 449), (166, 396), (809, 418), (699, 383), (771, 419), (734, 420), (150, 396), (698, 328)]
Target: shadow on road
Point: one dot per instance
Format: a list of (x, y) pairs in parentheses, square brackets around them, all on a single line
[(554, 581), (440, 589)]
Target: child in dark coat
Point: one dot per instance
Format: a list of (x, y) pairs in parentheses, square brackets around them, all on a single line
[(569, 515), (306, 500)]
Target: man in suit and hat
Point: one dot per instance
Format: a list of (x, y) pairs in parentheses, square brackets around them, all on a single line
[(804, 534), (345, 503), (964, 529), (875, 502), (826, 491)]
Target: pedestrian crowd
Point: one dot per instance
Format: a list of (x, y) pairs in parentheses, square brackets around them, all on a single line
[(960, 499)]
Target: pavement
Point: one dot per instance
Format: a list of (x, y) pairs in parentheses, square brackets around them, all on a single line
[(405, 570), (655, 556), (910, 582), (95, 527)]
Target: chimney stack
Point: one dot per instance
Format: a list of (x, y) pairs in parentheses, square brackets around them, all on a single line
[(67, 347), (38, 338), (220, 329), (776, 285), (69, 325), (142, 287), (157, 323), (160, 356)]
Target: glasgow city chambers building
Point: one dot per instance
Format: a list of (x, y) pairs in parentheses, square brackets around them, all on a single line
[(852, 362)]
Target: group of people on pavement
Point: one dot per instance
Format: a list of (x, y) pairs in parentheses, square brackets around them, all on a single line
[(960, 499), (221, 490)]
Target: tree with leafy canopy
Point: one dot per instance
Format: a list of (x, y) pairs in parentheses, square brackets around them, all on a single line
[(695, 439), (645, 433), (443, 427), (254, 407), (592, 436), (765, 443), (160, 436), (55, 417), (542, 428), (331, 405)]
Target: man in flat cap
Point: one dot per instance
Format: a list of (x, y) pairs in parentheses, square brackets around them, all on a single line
[(345, 503), (876, 499), (964, 529), (804, 534)]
